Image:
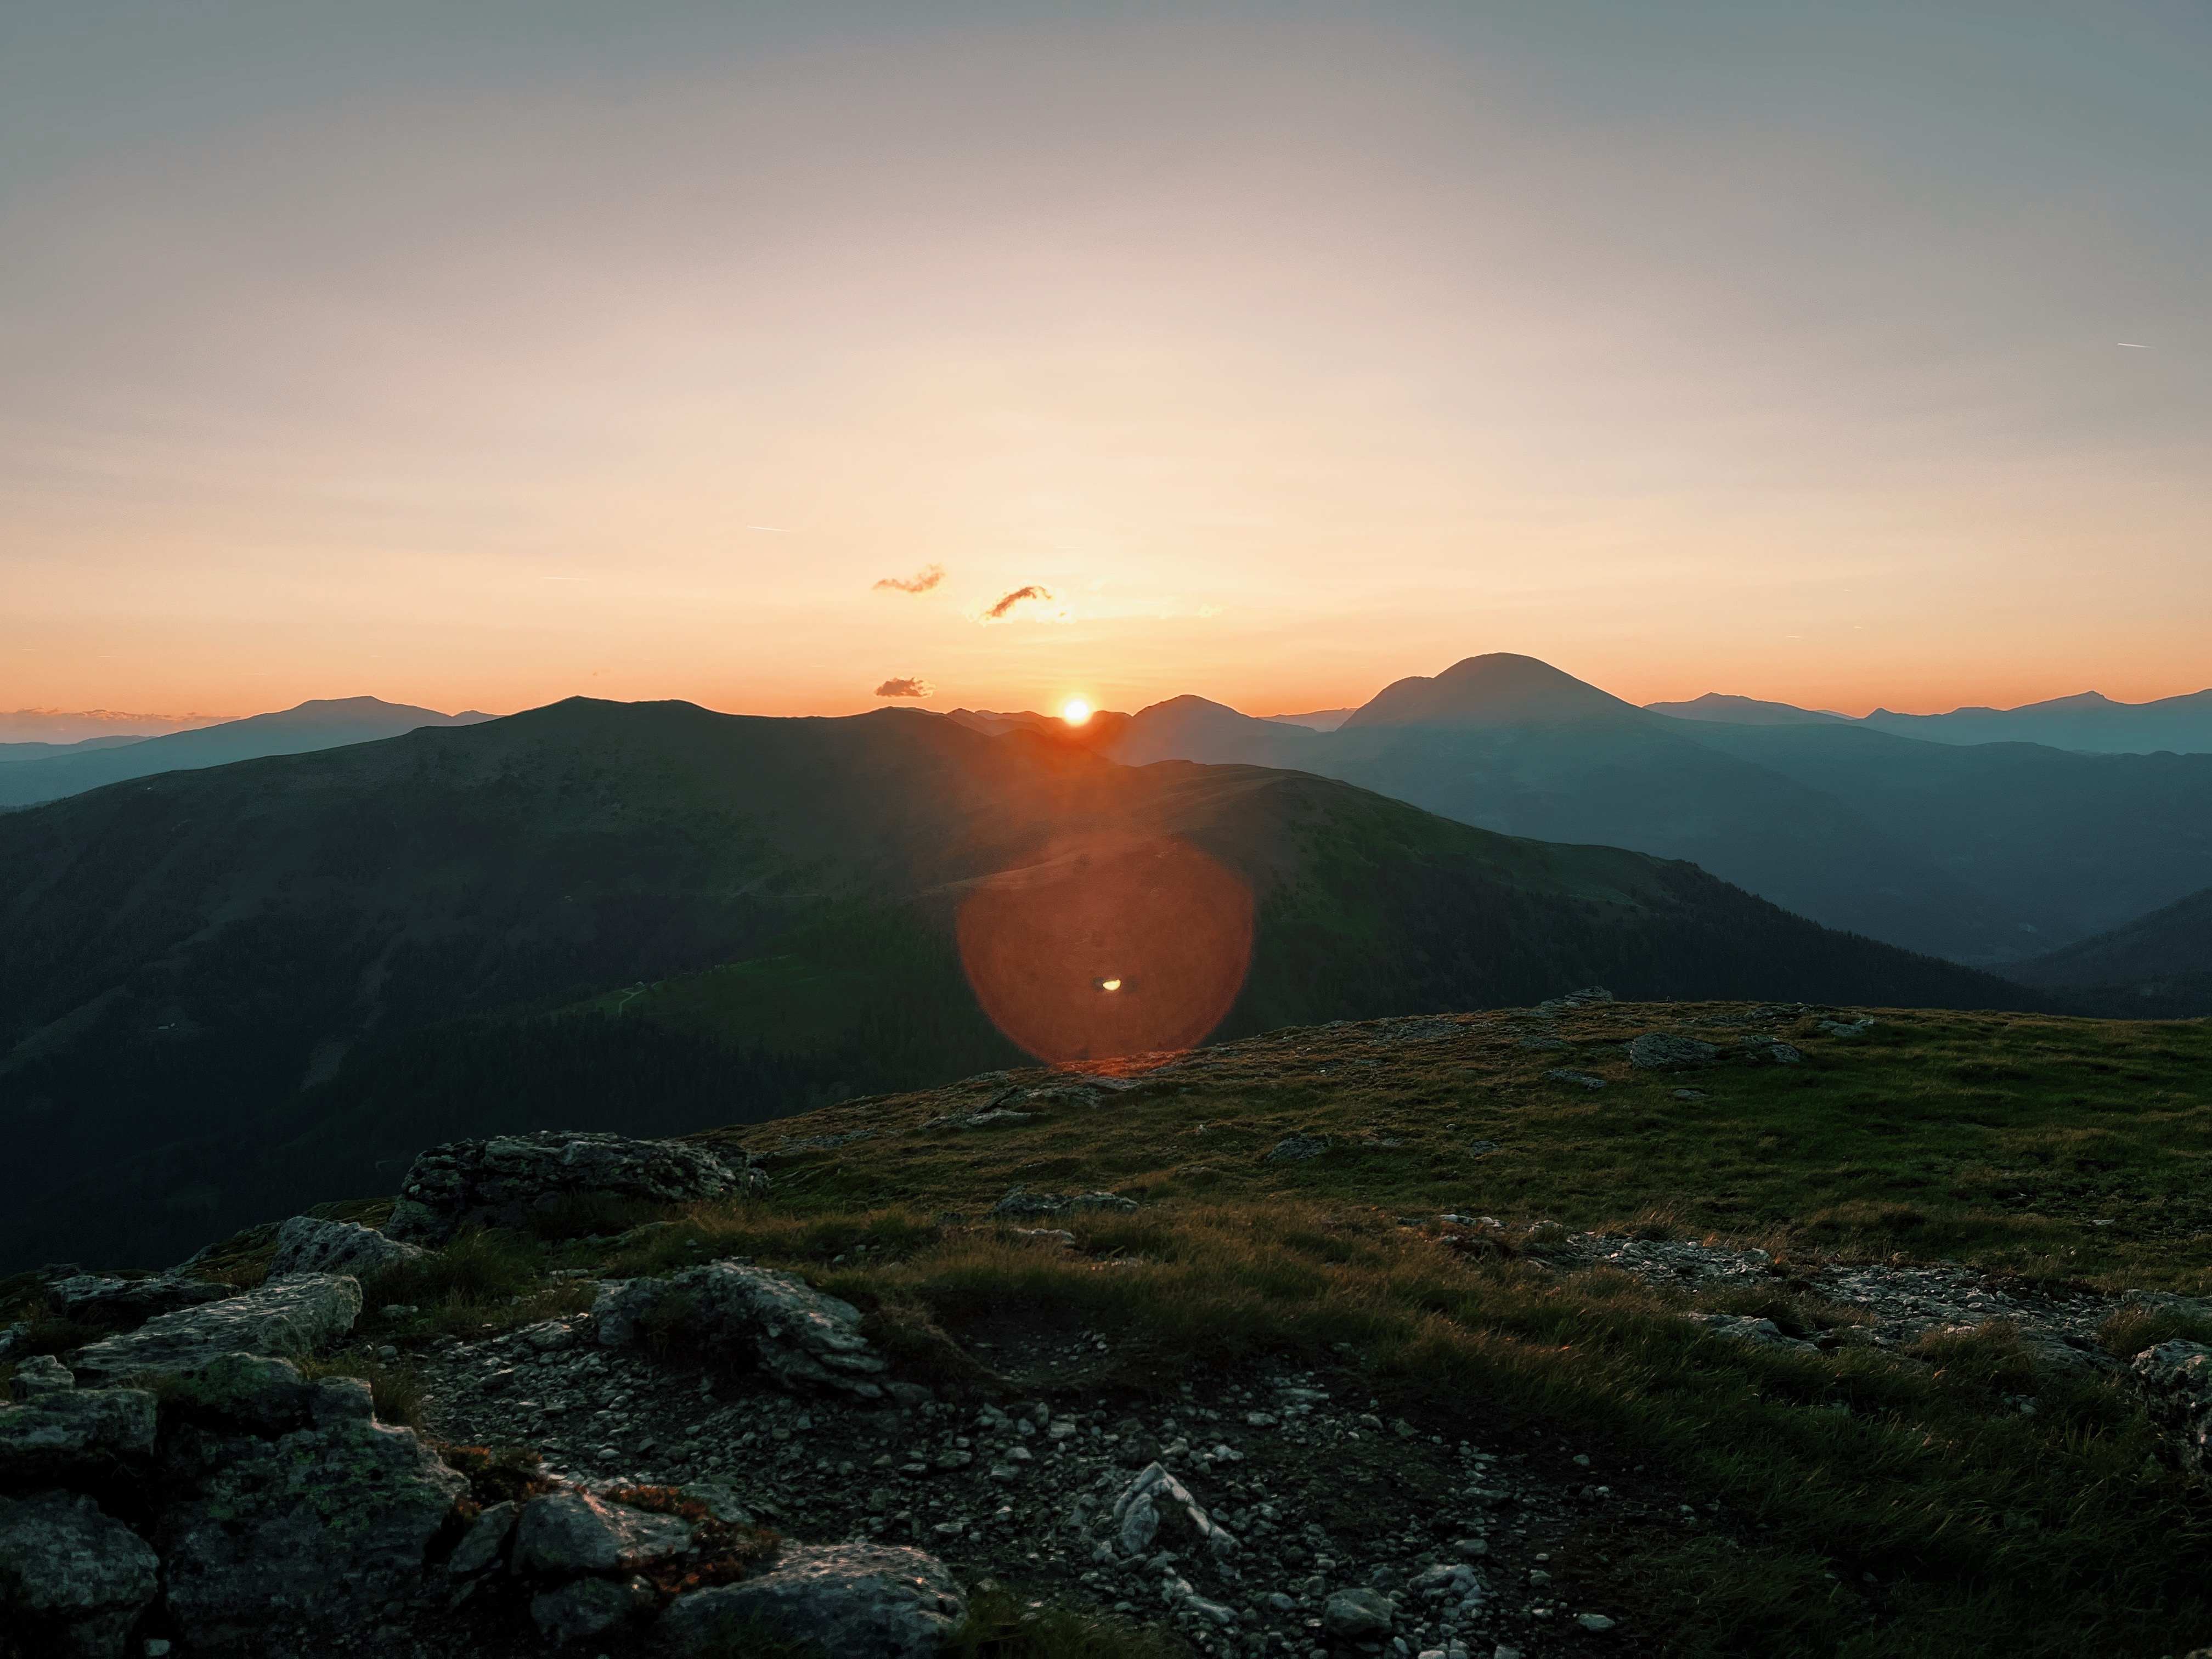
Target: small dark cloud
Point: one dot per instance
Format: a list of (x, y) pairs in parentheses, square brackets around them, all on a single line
[(998, 612), (905, 688), (920, 582)]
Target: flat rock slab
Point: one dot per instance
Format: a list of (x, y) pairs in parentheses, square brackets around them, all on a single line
[(305, 1244), (852, 1600), (72, 1578), (285, 1316), (508, 1181)]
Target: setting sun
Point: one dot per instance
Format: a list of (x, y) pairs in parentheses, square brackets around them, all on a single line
[(1075, 711)]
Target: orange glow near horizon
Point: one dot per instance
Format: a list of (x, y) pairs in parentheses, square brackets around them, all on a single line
[(1075, 711)]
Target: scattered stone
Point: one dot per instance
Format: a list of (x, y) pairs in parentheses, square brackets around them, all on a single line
[(1658, 1051), (307, 1245), (509, 1180), (1595, 1621), (1838, 1028), (1585, 1080), (797, 1334), (847, 1599), (73, 1580), (285, 1316), (1020, 1201), (1481, 1148), (1298, 1149)]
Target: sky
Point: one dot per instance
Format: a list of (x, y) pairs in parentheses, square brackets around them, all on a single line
[(478, 355)]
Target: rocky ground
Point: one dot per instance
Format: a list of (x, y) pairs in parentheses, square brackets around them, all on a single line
[(218, 1504), (1511, 1541)]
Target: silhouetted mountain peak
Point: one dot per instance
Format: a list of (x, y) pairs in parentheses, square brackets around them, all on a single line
[(1500, 689)]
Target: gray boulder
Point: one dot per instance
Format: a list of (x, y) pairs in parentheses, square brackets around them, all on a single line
[(573, 1532), (73, 1580), (480, 1546), (1298, 1149), (320, 1526), (98, 1297), (589, 1607), (800, 1337), (61, 1429), (1759, 1333), (851, 1600), (1657, 1051), (509, 1180), (290, 1315), (2175, 1380), (307, 1245), (1156, 1502), (1358, 1616)]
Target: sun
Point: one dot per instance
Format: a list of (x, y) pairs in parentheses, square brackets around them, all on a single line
[(1075, 711)]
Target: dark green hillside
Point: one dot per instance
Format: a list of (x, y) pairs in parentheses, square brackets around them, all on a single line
[(224, 993), (2158, 966)]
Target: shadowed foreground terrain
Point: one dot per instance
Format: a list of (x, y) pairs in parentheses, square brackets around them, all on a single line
[(1814, 1344)]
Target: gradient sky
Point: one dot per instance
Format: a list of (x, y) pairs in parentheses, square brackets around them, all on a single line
[(478, 353)]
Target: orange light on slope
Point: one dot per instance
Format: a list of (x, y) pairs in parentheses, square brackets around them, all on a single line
[(1112, 943), (1075, 711)]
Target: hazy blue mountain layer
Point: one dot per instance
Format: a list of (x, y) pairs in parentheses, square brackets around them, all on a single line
[(324, 723)]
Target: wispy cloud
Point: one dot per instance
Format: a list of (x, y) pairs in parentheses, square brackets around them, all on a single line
[(920, 582), (1004, 607), (906, 689)]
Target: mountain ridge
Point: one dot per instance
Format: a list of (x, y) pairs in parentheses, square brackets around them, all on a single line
[(268, 976)]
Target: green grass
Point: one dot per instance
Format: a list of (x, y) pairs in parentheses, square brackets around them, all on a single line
[(2001, 1140)]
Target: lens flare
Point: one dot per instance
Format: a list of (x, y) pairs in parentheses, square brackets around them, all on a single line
[(1075, 711), (1108, 945)]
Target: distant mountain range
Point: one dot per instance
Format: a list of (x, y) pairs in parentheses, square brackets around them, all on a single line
[(24, 751), (1988, 855), (2087, 721), (324, 723), (65, 728), (230, 992)]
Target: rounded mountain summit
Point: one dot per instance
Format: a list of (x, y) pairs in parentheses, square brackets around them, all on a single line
[(1498, 690)]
